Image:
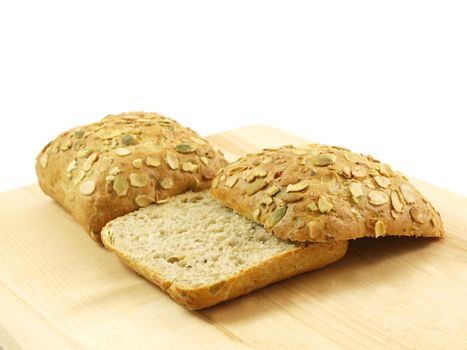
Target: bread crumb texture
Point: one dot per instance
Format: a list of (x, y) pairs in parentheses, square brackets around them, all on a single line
[(192, 240)]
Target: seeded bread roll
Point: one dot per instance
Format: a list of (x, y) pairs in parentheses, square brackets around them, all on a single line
[(322, 193), (202, 253), (104, 170)]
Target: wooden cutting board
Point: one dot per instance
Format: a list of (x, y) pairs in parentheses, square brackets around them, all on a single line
[(59, 289)]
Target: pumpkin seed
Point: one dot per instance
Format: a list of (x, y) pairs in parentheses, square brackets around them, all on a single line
[(88, 163), (299, 186), (114, 171), (143, 200), (104, 164), (359, 171), (378, 197), (266, 200), (357, 213), (128, 140), (369, 183), (137, 163), (407, 193), (190, 167), (166, 183), (152, 161), (329, 178), (256, 186), (312, 206), (272, 190), (87, 188), (380, 229), (385, 170), (79, 133), (382, 181), (324, 205), (418, 215), (171, 160), (231, 181), (85, 152), (66, 146), (71, 166), (236, 168), (346, 172), (396, 202), (185, 148), (137, 180), (356, 189), (113, 144), (79, 175), (120, 185), (324, 159), (291, 197), (352, 157), (122, 151), (279, 202), (249, 176), (204, 160), (260, 172), (275, 217)]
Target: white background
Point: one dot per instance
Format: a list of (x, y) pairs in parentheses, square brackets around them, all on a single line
[(387, 78)]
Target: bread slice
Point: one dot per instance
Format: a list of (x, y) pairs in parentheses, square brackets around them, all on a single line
[(202, 253)]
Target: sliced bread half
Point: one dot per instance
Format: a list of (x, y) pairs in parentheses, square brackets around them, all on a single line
[(319, 193), (202, 253)]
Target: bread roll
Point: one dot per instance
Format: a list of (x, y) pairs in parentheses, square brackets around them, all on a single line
[(106, 169)]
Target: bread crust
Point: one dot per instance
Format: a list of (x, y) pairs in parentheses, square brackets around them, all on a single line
[(322, 193), (106, 169), (307, 257)]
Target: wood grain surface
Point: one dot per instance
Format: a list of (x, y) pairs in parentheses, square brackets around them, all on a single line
[(61, 290)]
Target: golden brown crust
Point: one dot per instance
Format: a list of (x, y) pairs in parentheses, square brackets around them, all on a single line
[(291, 263), (322, 193), (107, 169)]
